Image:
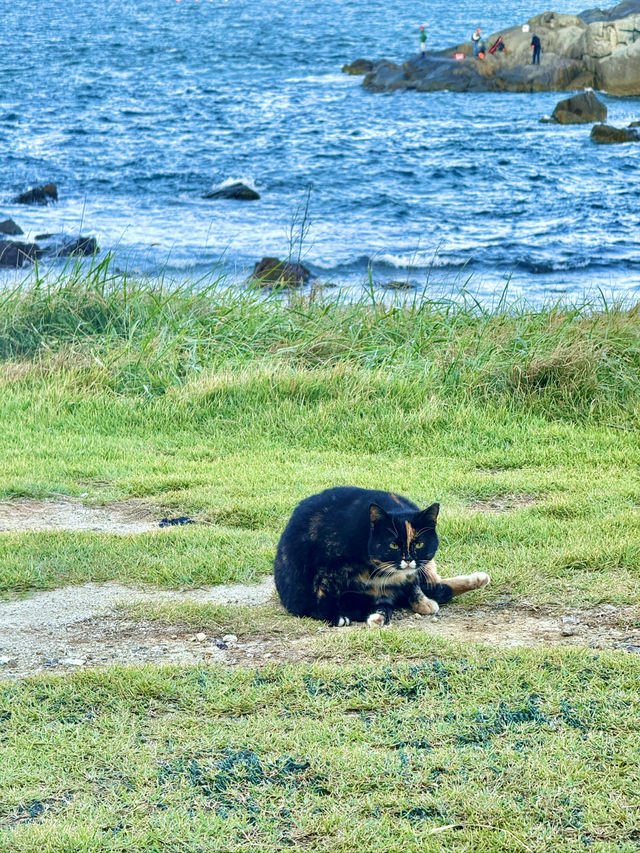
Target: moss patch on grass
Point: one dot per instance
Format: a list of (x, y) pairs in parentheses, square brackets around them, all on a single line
[(534, 750)]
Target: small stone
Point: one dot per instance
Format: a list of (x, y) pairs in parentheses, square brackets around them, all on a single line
[(174, 636), (610, 607), (230, 639), (72, 661), (417, 616), (269, 655), (200, 637), (7, 661), (219, 643)]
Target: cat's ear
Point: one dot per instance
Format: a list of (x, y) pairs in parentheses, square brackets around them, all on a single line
[(376, 513), (427, 518)]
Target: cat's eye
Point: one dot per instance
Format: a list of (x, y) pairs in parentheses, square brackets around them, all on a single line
[(394, 546), (419, 544)]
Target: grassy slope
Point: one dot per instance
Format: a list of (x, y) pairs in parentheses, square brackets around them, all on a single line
[(232, 410)]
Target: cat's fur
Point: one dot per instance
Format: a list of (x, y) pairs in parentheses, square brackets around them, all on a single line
[(358, 554)]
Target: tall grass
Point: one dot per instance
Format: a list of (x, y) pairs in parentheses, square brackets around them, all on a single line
[(137, 336)]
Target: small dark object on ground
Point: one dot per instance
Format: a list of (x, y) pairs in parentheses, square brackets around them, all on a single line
[(220, 644), (38, 195), (169, 522), (8, 226), (15, 254), (238, 191), (285, 273)]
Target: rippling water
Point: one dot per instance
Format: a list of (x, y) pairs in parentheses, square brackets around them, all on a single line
[(135, 109)]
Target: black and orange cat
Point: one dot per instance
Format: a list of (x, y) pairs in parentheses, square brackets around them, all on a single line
[(358, 554)]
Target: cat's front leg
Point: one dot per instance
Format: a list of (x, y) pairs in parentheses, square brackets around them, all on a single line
[(381, 615), (329, 607), (420, 603)]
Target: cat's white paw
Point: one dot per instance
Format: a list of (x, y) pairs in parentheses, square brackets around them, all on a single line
[(480, 579), (376, 620), (425, 606), (343, 622)]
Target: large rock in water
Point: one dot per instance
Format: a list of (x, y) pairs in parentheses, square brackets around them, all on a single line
[(38, 195), (8, 226), (285, 273), (604, 134), (14, 254), (239, 191), (580, 109), (597, 50), (79, 246)]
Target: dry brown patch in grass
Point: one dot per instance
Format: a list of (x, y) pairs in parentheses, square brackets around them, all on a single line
[(71, 514), (504, 503), (172, 627)]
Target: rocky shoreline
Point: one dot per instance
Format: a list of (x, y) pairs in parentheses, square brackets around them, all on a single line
[(596, 49)]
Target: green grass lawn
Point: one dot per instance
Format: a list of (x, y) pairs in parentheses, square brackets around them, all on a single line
[(523, 424)]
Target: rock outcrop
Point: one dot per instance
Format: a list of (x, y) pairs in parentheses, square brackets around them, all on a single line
[(597, 49), (360, 66), (604, 134), (8, 226), (273, 271), (580, 109), (38, 195), (238, 191), (79, 246), (14, 254)]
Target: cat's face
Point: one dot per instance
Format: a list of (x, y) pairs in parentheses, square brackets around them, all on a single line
[(402, 544)]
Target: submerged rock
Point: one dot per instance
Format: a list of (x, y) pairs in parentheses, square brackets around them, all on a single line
[(359, 66), (604, 134), (79, 246), (8, 226), (38, 195), (238, 191), (598, 50), (14, 254), (285, 273), (580, 109)]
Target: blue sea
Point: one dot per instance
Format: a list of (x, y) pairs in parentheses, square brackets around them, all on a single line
[(136, 108)]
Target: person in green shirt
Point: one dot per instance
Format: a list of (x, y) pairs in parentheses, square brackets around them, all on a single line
[(423, 39)]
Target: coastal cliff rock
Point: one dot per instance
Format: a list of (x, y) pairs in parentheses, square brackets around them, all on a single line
[(596, 49), (580, 109)]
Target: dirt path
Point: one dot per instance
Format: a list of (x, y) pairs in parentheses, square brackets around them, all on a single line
[(83, 626)]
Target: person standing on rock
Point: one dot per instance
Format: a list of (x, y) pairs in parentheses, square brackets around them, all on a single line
[(535, 44), (423, 40), (478, 43)]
